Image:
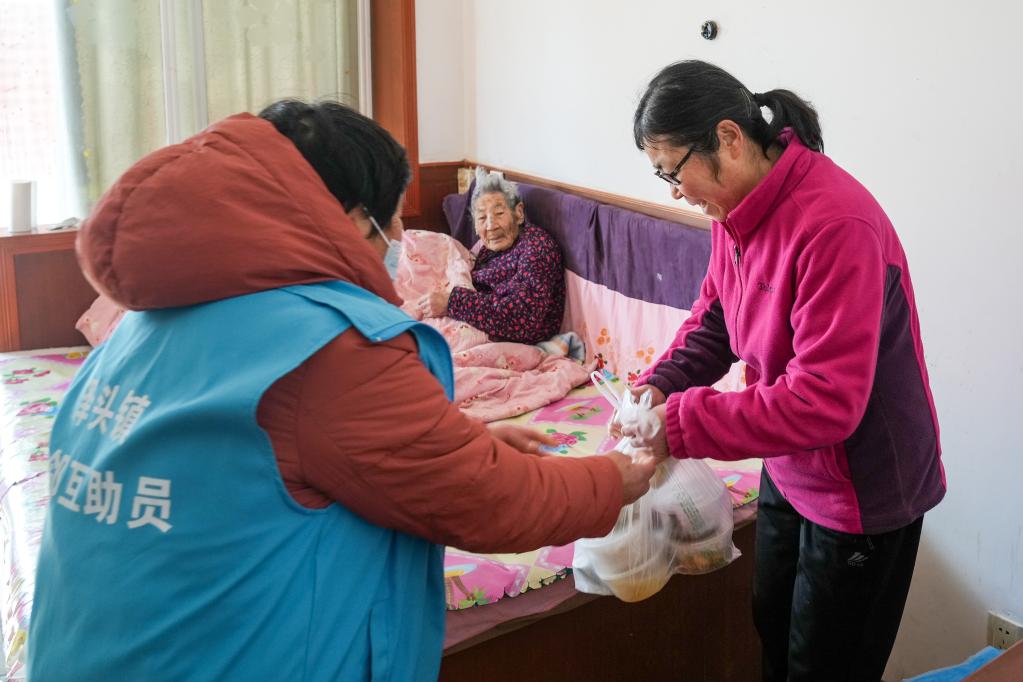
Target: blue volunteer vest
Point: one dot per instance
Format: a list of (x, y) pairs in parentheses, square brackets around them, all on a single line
[(172, 550)]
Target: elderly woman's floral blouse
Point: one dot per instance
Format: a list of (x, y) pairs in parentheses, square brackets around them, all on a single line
[(520, 292)]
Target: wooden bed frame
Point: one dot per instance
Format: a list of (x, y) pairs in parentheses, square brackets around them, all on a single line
[(699, 628)]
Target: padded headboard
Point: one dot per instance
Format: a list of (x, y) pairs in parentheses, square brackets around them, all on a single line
[(638, 256), (631, 278)]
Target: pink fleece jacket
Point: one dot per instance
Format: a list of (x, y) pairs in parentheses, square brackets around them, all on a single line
[(808, 284)]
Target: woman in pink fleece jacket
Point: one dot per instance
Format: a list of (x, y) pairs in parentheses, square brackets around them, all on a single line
[(808, 284)]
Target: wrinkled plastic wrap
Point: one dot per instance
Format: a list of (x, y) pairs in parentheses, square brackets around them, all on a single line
[(682, 525)]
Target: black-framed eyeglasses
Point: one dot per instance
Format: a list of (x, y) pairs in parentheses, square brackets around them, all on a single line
[(672, 177)]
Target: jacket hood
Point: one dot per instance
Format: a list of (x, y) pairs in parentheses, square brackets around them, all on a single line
[(233, 210)]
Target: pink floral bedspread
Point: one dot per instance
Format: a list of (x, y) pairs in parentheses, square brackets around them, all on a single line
[(32, 386), (579, 423), (492, 380)]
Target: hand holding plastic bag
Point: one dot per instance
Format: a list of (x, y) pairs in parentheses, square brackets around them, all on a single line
[(614, 428), (682, 525)]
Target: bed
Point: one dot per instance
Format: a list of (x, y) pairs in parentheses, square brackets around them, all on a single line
[(630, 279), (32, 386), (479, 587)]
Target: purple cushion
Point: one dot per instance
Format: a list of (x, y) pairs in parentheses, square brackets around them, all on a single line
[(456, 210)]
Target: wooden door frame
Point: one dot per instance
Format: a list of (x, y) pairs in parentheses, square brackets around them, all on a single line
[(393, 55)]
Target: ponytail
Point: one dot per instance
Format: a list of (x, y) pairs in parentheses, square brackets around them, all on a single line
[(684, 103), (789, 110)]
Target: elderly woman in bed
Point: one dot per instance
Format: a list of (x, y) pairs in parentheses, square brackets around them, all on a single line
[(518, 275)]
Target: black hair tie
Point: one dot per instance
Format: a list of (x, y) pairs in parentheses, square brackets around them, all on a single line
[(759, 99)]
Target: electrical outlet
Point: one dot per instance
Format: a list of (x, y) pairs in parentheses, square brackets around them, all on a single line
[(1003, 632)]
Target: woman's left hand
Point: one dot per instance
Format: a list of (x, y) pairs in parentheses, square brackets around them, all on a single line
[(521, 438), (658, 443), (434, 304)]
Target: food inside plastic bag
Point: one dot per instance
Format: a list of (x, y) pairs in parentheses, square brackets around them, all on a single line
[(682, 525)]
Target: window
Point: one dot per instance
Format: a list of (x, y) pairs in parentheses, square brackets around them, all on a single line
[(34, 139), (101, 84)]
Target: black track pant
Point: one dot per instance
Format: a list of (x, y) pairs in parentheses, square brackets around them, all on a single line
[(826, 604)]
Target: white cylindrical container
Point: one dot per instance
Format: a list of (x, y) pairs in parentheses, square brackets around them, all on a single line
[(23, 205)]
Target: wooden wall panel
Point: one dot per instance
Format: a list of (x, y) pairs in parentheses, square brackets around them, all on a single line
[(669, 213), (442, 179), (436, 181)]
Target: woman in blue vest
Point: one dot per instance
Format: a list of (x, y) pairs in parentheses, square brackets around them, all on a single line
[(254, 477)]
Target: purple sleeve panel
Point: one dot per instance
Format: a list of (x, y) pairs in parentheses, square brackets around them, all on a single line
[(823, 394), (700, 353)]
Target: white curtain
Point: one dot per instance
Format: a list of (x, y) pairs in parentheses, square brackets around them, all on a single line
[(259, 51), (222, 57), (120, 85)]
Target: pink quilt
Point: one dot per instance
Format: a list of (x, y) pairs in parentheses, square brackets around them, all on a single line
[(492, 380)]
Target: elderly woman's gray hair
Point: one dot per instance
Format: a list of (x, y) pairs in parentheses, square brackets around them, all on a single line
[(488, 182)]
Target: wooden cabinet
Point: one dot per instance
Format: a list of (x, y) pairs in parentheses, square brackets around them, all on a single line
[(1006, 668), (42, 291)]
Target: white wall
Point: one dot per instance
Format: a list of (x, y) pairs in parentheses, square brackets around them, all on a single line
[(921, 101), (440, 80)]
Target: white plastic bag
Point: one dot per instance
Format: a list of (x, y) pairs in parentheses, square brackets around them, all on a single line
[(682, 525)]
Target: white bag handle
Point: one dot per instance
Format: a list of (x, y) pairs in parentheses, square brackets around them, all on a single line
[(604, 386)]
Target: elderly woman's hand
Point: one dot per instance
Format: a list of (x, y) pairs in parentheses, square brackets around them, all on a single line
[(434, 304), (521, 438)]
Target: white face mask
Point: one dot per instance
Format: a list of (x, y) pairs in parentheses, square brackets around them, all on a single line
[(394, 250)]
